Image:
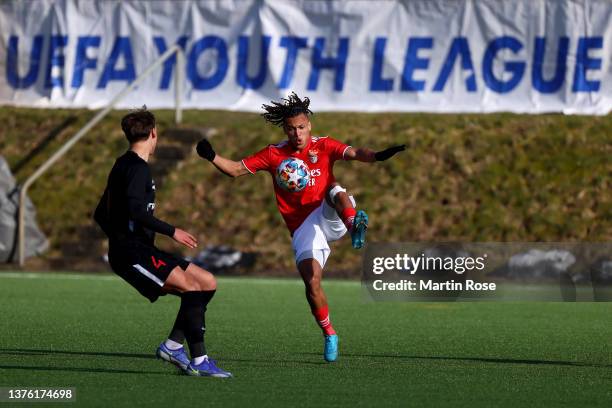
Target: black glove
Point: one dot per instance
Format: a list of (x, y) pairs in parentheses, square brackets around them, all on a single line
[(205, 150), (387, 153)]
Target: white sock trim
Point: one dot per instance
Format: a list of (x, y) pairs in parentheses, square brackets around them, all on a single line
[(199, 360), (173, 345)]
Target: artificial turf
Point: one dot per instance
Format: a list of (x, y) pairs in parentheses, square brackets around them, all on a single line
[(96, 334)]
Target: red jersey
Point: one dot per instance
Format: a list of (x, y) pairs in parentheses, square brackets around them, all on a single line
[(319, 155)]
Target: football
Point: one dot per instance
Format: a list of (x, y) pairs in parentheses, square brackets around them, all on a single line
[(292, 175)]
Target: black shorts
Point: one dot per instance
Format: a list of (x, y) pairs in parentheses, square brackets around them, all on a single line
[(143, 266)]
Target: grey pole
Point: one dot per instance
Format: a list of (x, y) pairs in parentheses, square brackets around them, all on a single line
[(178, 82)]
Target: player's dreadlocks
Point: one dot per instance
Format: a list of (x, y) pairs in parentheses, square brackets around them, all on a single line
[(289, 107)]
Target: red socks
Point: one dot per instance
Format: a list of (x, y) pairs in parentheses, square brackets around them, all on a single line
[(348, 216), (322, 317)]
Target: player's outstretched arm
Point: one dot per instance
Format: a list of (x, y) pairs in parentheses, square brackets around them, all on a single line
[(226, 166), (229, 167), (364, 154)]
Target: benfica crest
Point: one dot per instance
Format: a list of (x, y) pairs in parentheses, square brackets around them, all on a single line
[(312, 155)]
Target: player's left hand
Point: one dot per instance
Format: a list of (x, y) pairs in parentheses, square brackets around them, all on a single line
[(387, 153), (185, 238)]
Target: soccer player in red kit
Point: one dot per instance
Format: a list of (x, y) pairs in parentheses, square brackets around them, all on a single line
[(320, 213)]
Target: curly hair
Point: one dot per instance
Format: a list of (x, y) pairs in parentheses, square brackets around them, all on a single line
[(289, 107)]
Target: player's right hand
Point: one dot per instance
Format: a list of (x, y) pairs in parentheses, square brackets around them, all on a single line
[(185, 238), (205, 150)]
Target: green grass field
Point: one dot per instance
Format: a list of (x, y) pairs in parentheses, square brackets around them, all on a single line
[(97, 334)]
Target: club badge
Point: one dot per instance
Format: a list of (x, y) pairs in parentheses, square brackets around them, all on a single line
[(312, 155)]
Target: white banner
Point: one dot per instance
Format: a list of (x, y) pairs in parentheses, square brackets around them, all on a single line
[(420, 55)]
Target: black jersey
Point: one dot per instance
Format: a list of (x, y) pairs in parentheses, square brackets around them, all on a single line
[(125, 211)]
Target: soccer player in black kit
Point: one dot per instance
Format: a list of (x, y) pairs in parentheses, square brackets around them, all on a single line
[(125, 214)]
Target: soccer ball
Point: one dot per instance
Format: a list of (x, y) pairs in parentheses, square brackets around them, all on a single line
[(292, 175)]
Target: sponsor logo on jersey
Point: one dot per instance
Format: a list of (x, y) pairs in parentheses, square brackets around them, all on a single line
[(314, 173)]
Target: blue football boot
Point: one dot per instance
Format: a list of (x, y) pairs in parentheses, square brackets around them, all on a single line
[(177, 357), (360, 225), (207, 368), (330, 352)]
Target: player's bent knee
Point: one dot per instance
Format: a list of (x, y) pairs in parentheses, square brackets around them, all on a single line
[(334, 190), (193, 284), (180, 281), (205, 280), (332, 186)]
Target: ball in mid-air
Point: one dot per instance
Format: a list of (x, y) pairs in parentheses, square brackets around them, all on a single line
[(292, 175)]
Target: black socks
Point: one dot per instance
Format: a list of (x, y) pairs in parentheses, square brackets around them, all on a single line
[(190, 321)]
